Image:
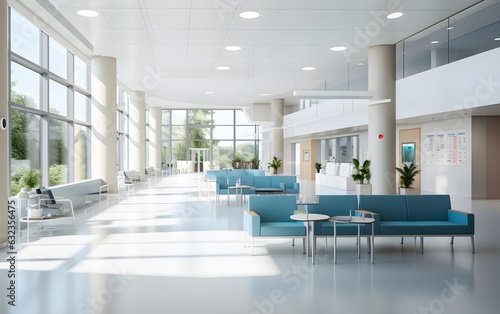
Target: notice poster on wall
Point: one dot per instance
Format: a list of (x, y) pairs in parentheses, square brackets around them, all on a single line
[(446, 148)]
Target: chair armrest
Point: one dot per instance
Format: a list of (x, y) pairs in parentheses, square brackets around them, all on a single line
[(299, 211), (103, 187), (463, 218), (366, 212), (251, 223)]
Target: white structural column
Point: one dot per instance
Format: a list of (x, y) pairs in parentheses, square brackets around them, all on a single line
[(155, 137), (104, 86), (4, 112), (382, 118), (276, 145), (137, 131)]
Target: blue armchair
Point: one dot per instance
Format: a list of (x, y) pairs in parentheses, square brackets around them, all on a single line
[(269, 216)]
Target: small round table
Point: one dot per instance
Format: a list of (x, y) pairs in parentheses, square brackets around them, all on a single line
[(351, 220), (309, 218)]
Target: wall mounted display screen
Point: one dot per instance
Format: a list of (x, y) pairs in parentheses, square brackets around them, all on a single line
[(408, 152)]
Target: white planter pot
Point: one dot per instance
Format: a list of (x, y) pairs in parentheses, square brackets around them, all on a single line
[(363, 189), (34, 212), (407, 191)]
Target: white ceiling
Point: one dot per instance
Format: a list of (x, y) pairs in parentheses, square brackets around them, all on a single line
[(182, 41)]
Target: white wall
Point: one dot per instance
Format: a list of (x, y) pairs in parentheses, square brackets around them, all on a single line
[(447, 179)]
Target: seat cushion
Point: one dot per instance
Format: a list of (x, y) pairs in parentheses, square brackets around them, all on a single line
[(442, 227), (292, 228), (400, 228)]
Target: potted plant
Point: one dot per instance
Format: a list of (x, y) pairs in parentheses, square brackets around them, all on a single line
[(362, 173), (275, 164), (318, 167), (30, 179), (407, 177), (255, 162)]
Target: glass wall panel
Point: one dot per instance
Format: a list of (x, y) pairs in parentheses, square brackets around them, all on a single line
[(25, 146), (165, 117), (200, 117), (223, 132), (427, 49), (58, 59), (178, 132), (245, 132), (81, 73), (25, 86), (223, 117), (471, 34), (179, 117), (241, 117), (58, 152), (58, 98), (81, 140), (24, 38), (223, 154), (82, 107)]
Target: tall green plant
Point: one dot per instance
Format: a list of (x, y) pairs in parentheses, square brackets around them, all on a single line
[(361, 172), (275, 164), (407, 174)]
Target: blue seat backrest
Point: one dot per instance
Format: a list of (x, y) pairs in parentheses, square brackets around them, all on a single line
[(247, 180), (389, 207), (428, 207), (273, 208), (221, 181), (277, 180), (262, 181), (335, 205)]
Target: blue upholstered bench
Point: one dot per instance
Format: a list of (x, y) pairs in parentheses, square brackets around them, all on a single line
[(417, 216)]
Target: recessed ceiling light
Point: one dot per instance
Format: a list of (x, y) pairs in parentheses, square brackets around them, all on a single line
[(87, 13), (223, 68), (450, 28), (264, 94), (435, 42), (233, 48), (249, 15), (497, 39), (209, 92), (361, 63), (338, 48), (395, 15), (308, 68)]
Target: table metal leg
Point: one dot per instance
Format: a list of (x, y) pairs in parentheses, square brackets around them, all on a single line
[(312, 248), (372, 244), (359, 243), (334, 242)]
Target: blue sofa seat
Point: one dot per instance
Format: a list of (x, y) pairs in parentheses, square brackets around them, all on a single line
[(269, 216), (259, 184), (417, 216)]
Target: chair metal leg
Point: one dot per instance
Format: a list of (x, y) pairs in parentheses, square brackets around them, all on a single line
[(452, 240), (473, 244), (402, 240), (293, 241), (422, 244)]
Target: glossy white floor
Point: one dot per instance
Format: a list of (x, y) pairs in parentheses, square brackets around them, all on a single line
[(171, 249)]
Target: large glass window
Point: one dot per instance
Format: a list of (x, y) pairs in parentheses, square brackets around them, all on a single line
[(25, 146), (81, 141), (231, 144), (81, 73), (58, 152), (25, 86), (43, 128), (58, 59), (82, 107), (24, 38), (58, 98)]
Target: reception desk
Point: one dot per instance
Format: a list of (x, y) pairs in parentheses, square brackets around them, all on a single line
[(337, 176)]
